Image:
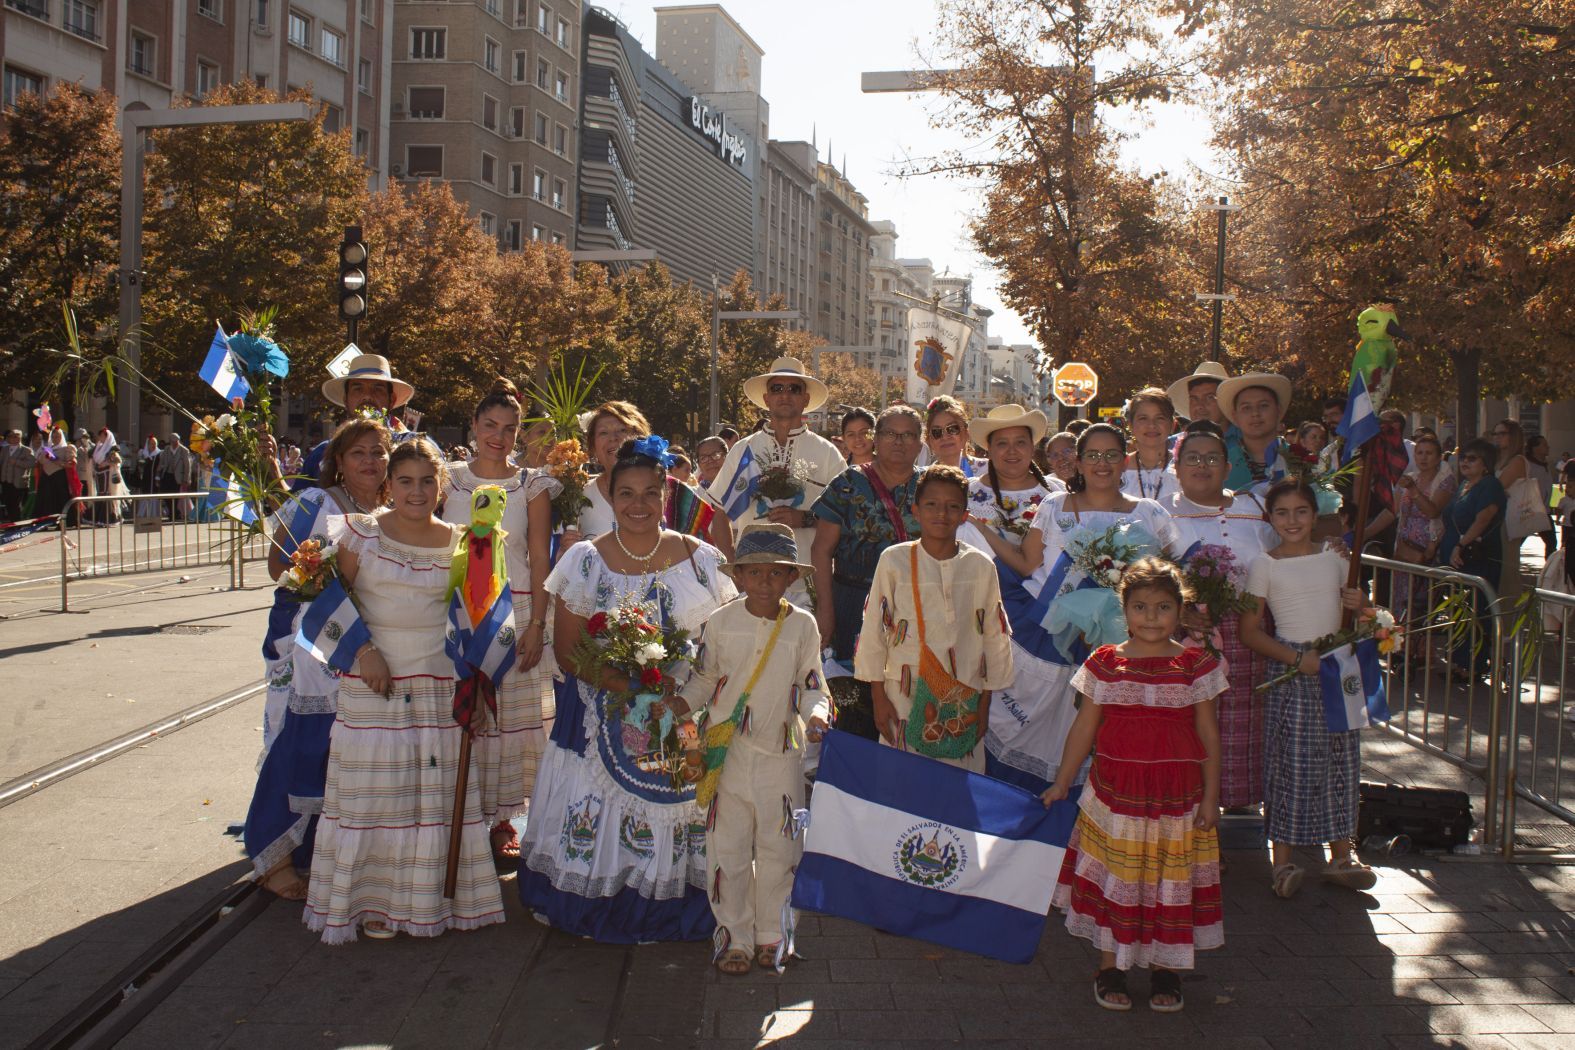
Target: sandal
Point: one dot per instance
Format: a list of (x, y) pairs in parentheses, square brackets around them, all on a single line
[(1111, 982), (1165, 982), (285, 884), (506, 851), (734, 962), (377, 930), (1352, 874), (766, 956), (1287, 879)]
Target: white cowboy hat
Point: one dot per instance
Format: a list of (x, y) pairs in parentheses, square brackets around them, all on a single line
[(1230, 388), (1212, 371), (368, 366), (786, 368), (1002, 416)]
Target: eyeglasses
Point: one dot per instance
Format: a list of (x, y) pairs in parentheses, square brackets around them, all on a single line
[(1061, 455), (898, 435), (1202, 459), (706, 457), (949, 430), (1110, 455), (785, 388)]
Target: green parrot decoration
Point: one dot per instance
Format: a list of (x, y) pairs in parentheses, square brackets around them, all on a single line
[(479, 570), (1375, 353)]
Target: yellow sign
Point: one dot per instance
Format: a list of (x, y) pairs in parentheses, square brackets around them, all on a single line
[(1074, 384), (1110, 412)]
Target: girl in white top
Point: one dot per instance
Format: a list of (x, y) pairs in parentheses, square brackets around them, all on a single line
[(1152, 419), (1310, 774)]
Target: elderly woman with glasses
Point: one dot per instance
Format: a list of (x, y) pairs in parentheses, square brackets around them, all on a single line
[(863, 511), (1207, 515)]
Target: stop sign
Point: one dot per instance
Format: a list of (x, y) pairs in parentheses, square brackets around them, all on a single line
[(1074, 384)]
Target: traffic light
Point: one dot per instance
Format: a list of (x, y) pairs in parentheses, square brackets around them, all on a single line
[(352, 278)]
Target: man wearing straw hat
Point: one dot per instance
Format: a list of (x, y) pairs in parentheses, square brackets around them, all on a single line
[(1195, 397), (777, 473), (368, 384)]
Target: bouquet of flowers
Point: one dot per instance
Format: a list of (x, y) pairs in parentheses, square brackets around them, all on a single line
[(563, 400), (312, 569), (1372, 622), (782, 483), (1104, 557), (1216, 579), (1089, 610)]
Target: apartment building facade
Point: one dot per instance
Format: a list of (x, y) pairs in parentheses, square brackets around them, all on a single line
[(842, 243)]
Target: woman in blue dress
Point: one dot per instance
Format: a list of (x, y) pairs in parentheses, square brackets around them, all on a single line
[(1473, 539)]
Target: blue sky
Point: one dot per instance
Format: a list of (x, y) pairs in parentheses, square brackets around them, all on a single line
[(815, 51)]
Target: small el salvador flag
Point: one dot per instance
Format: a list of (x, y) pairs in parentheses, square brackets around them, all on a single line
[(219, 369), (488, 648), (332, 629), (739, 492), (1359, 425), (1353, 687), (225, 497), (922, 849)]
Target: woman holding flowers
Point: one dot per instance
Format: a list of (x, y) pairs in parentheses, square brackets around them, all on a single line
[(1079, 542), (615, 847), (507, 752), (1222, 534), (303, 691)]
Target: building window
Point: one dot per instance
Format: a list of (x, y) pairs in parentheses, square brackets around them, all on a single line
[(300, 30), (424, 161), (211, 9), (492, 7), (561, 86), (519, 67), (557, 238), (366, 11), (559, 194), (516, 180), (489, 112), (491, 54), (262, 13), (489, 169), (82, 18), (543, 17), (261, 80), (538, 185), (563, 33), (19, 82), (521, 17), (207, 77), (543, 73), (334, 47), (363, 143), (426, 103), (517, 122), (489, 223), (541, 128), (144, 49), (560, 140), (511, 235), (363, 75), (333, 118), (538, 233), (430, 44)]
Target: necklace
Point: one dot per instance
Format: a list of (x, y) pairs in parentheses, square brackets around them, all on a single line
[(1142, 479), (353, 501), (641, 559)]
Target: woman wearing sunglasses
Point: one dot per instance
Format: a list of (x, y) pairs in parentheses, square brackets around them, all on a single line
[(946, 435)]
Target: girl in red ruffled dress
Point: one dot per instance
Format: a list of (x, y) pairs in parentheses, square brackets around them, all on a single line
[(1141, 876)]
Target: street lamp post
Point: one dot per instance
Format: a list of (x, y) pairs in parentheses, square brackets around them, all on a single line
[(1219, 296), (718, 315), (134, 130)]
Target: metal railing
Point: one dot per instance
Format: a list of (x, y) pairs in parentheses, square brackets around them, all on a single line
[(150, 532), (1535, 729)]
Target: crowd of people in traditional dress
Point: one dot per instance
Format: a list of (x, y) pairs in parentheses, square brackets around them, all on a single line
[(916, 561)]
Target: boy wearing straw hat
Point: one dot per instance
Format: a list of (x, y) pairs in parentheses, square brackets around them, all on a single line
[(758, 679)]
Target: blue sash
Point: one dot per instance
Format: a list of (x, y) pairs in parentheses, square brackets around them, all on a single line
[(303, 524), (1026, 611)]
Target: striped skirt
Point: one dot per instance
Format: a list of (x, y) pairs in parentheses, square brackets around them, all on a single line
[(507, 756), (1241, 722), (1310, 774)]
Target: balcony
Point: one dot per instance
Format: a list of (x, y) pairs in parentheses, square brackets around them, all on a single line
[(86, 32), (30, 7)]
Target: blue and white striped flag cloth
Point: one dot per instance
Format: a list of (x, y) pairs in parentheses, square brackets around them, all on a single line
[(220, 371), (225, 497), (1359, 424), (1353, 687), (332, 629), (488, 648), (922, 849), (735, 497)]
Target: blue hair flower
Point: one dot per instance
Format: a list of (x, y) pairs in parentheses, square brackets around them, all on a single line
[(654, 447)]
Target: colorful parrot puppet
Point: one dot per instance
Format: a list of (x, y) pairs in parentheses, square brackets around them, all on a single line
[(481, 609), (1375, 352)]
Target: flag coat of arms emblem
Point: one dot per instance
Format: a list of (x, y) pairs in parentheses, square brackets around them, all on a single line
[(332, 629), (922, 849), (1352, 684)]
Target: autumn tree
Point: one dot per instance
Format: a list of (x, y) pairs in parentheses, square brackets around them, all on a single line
[(430, 307), (240, 217), (1417, 155), (545, 309), (659, 355), (1085, 246), (59, 227), (749, 347), (851, 383)]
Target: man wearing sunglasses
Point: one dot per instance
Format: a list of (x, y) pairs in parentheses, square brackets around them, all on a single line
[(795, 463)]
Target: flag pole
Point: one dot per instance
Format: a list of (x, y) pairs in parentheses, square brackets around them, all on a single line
[(456, 826), (1364, 493)]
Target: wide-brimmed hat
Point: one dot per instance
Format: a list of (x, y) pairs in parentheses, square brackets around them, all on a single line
[(786, 368), (1002, 416), (368, 366), (1209, 371), (1230, 388), (767, 544)]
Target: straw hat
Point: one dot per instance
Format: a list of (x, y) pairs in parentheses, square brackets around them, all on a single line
[(1230, 388), (1002, 416), (368, 366), (1212, 371), (767, 544), (786, 368)]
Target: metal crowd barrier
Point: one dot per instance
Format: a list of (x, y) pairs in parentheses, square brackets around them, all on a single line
[(149, 532), (1537, 733)]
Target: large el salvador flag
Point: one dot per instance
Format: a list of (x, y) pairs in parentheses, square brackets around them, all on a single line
[(919, 848), (1353, 687), (1358, 425), (332, 629)]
